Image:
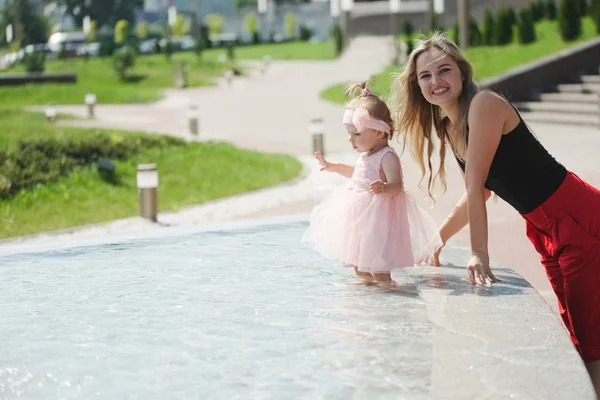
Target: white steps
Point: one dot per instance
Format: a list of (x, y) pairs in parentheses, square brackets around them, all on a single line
[(562, 118), (568, 97), (561, 107), (576, 104)]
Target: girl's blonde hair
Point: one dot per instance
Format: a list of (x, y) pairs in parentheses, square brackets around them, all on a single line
[(361, 96), (415, 116)]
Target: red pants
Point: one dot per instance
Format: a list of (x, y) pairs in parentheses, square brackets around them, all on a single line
[(565, 230)]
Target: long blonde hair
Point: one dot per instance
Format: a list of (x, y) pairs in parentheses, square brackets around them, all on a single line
[(361, 96), (415, 116)]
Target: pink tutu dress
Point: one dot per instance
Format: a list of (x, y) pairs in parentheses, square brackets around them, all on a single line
[(375, 233)]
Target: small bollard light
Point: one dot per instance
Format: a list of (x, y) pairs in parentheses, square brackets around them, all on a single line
[(147, 183), (229, 76), (316, 129), (90, 102), (266, 62), (193, 120), (50, 113)]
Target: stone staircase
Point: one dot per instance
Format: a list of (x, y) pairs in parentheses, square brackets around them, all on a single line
[(571, 103)]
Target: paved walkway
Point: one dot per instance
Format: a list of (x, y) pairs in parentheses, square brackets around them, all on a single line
[(271, 113)]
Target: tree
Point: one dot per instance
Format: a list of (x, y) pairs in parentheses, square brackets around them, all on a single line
[(569, 20), (407, 29), (526, 26), (290, 25), (537, 10), (583, 8), (121, 32), (105, 12), (215, 23), (181, 27), (142, 30), (91, 37), (504, 27), (251, 26), (595, 14), (28, 28), (551, 10), (124, 59), (488, 28)]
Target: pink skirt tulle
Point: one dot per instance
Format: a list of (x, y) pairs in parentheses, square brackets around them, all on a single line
[(375, 233)]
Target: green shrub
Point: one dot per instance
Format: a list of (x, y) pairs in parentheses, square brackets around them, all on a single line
[(407, 30), (504, 27), (338, 38), (290, 25), (512, 16), (595, 14), (488, 28), (121, 31), (43, 160), (569, 20), (551, 10), (305, 33), (582, 7), (475, 36), (107, 48), (537, 10), (526, 26), (35, 61), (124, 59), (168, 49), (251, 26)]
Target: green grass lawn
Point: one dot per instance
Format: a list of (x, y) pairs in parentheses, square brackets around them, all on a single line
[(150, 74), (486, 61), (189, 174)]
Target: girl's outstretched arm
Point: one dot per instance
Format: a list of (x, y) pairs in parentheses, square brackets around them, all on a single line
[(342, 169), (393, 176)]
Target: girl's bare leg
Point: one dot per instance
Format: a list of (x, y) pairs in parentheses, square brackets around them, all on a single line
[(366, 276), (384, 279)]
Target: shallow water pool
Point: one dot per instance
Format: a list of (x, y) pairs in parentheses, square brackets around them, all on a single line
[(242, 313)]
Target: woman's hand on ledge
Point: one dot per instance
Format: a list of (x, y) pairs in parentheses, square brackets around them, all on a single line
[(479, 270)]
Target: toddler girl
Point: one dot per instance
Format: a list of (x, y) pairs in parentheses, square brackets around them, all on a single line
[(371, 224)]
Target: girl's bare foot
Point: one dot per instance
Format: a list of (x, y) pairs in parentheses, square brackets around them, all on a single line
[(366, 277), (386, 284)]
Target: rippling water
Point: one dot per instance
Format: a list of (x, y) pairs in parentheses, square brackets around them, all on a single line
[(225, 314)]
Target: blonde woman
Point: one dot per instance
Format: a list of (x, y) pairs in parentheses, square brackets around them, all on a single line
[(436, 100)]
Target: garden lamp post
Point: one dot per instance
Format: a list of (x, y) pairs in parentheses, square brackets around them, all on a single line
[(50, 113), (193, 120), (315, 127), (347, 7), (87, 23), (147, 183), (266, 62), (90, 102), (9, 33)]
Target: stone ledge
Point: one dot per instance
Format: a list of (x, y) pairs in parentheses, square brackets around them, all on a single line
[(445, 339)]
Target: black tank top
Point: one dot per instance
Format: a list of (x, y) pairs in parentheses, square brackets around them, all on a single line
[(522, 172)]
